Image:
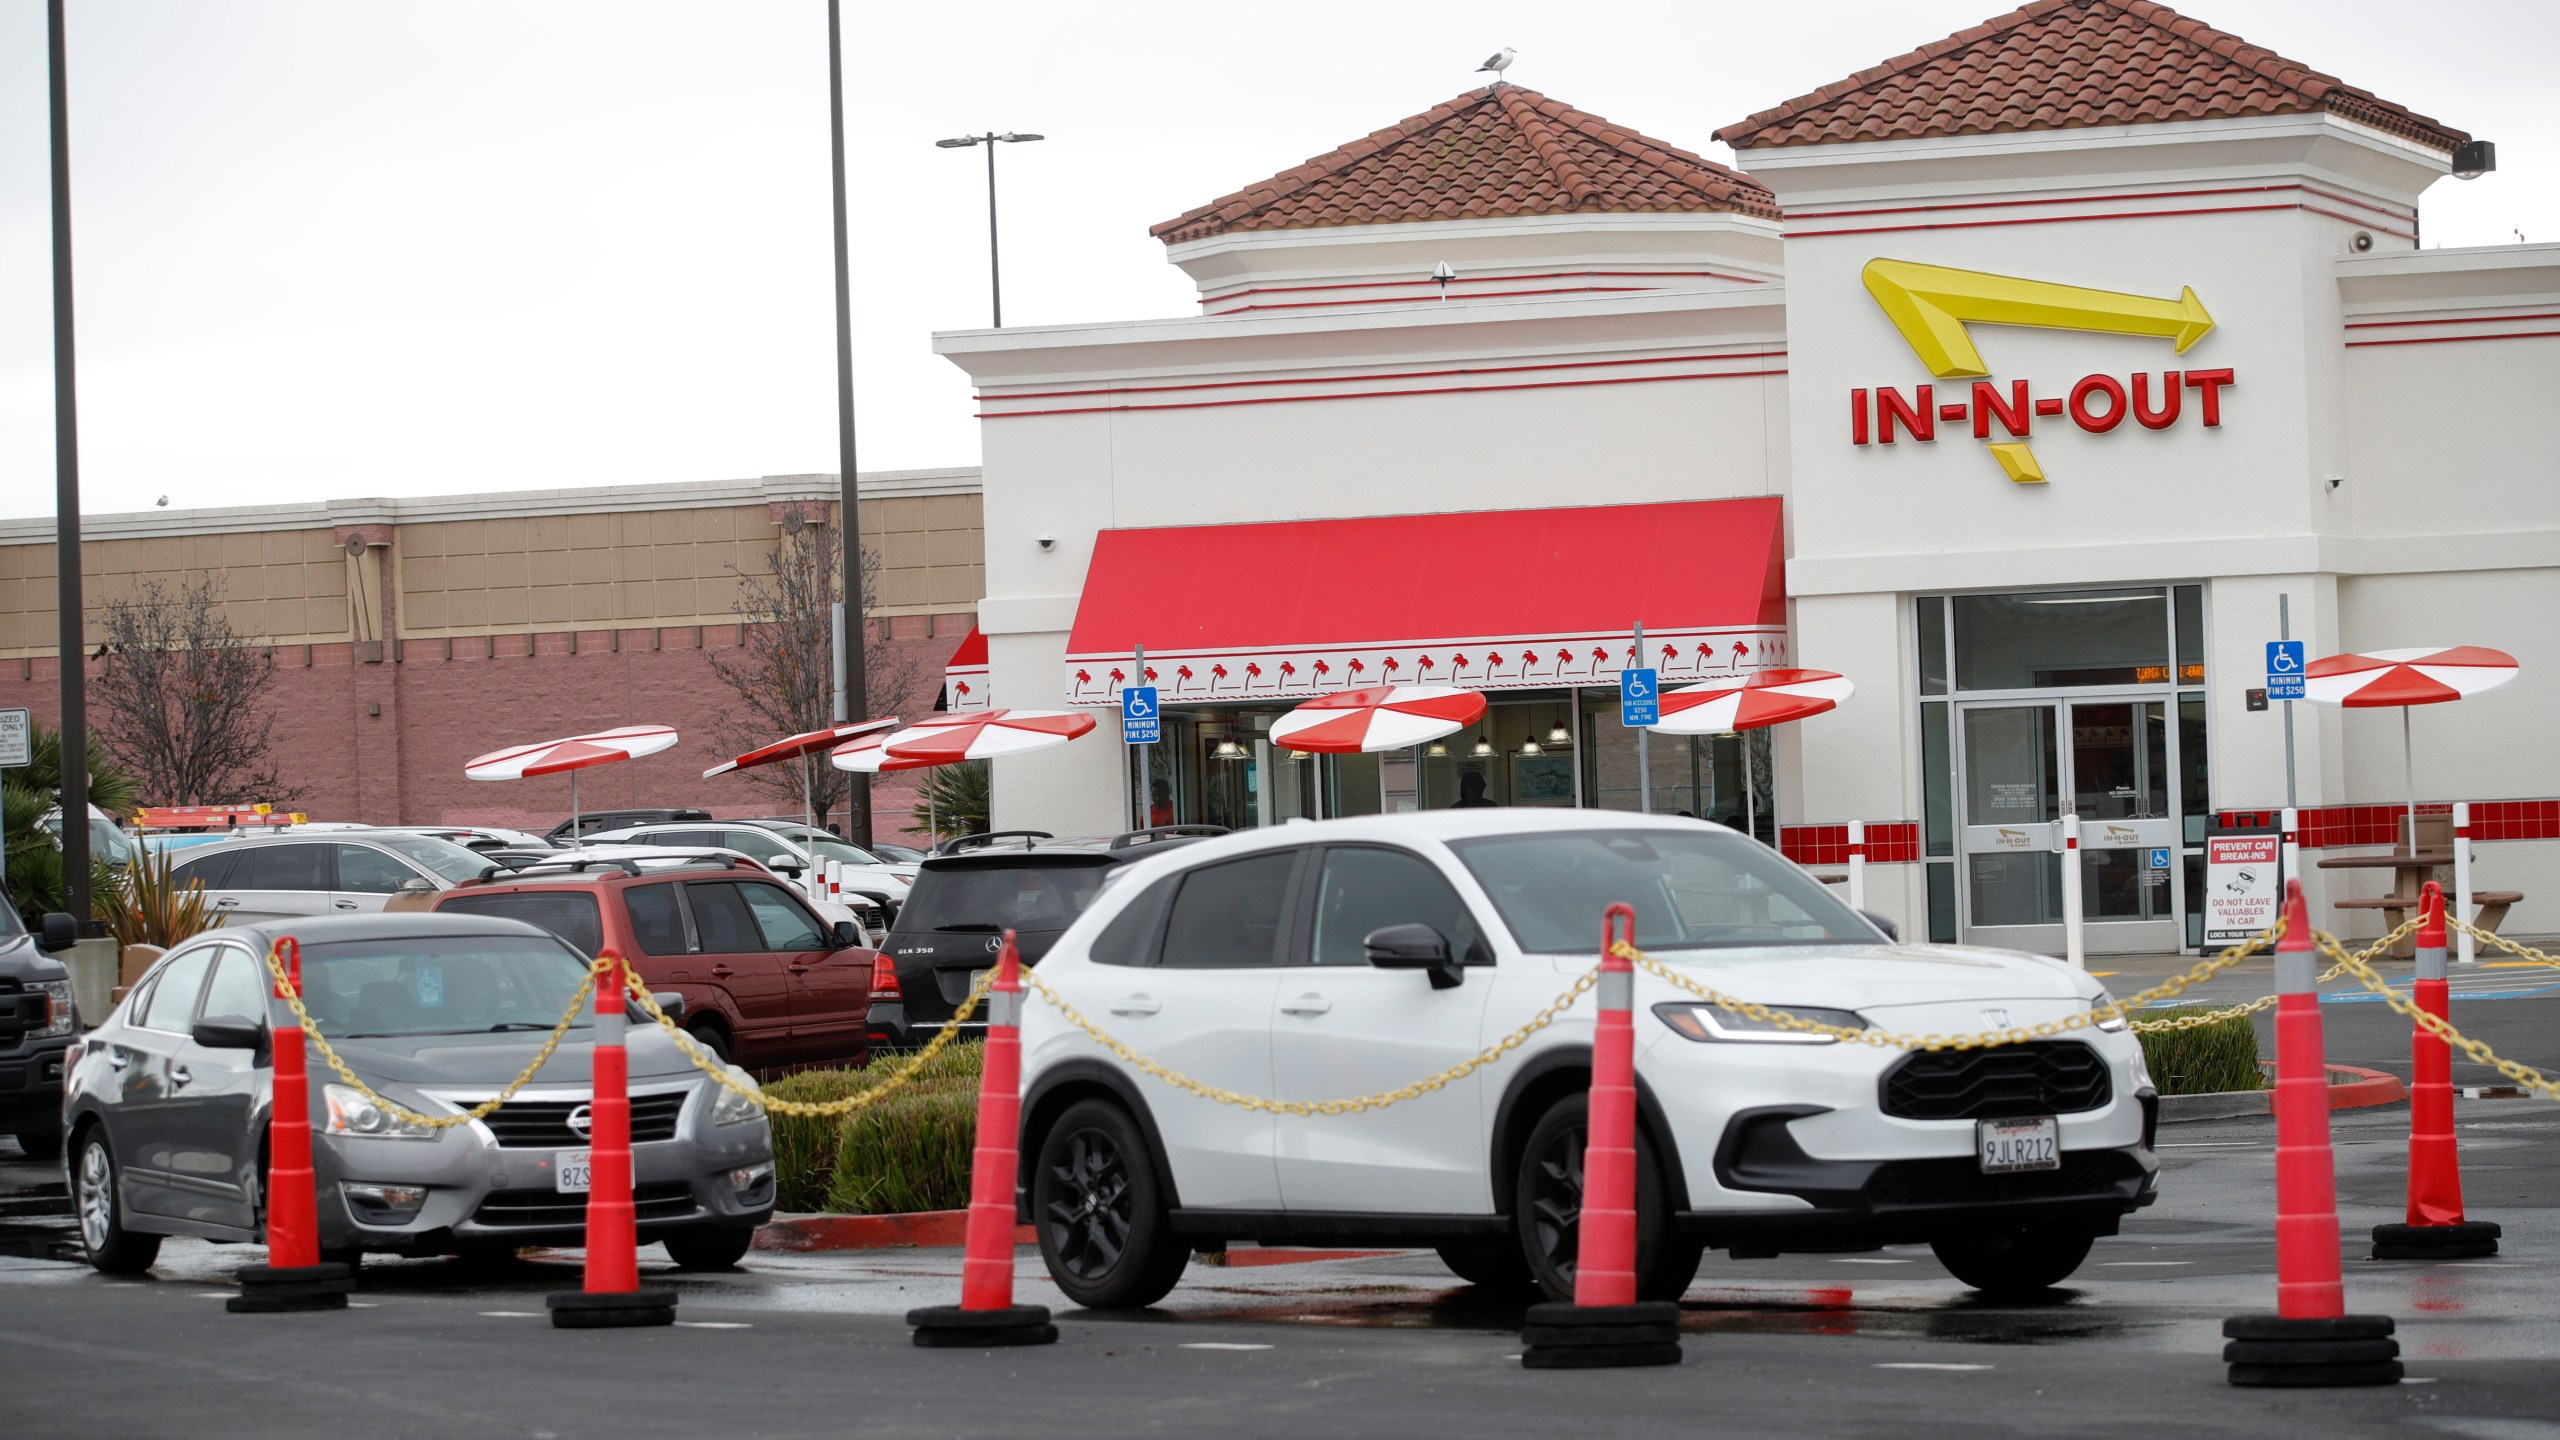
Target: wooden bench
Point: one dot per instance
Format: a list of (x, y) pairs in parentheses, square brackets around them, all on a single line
[(2493, 904)]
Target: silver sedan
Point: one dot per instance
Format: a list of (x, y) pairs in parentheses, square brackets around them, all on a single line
[(165, 1105)]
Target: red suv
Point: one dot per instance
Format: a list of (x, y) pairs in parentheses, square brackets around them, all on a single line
[(766, 982)]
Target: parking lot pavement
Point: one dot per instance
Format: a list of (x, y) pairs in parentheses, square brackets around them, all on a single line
[(1854, 1345)]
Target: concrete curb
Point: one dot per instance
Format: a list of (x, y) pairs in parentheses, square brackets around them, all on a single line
[(2351, 1087), (938, 1229)]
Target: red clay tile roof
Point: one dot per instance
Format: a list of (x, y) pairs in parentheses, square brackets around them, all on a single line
[(2065, 64), (1497, 151)]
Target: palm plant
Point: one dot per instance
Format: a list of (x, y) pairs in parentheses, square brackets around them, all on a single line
[(27, 795), (955, 799), (143, 906)]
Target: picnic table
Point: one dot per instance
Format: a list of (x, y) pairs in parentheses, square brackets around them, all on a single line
[(2410, 874)]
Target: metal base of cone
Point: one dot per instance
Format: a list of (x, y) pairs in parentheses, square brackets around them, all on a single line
[(948, 1327), (281, 1289), (2272, 1352), (2461, 1240), (617, 1310), (1600, 1337)]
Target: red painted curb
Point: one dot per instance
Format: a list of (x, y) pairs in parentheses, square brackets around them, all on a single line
[(2365, 1088), (920, 1230)]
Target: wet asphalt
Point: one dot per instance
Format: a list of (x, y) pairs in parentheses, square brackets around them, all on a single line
[(1882, 1344)]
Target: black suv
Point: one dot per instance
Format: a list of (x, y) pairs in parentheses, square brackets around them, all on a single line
[(37, 1030), (571, 830), (967, 894)]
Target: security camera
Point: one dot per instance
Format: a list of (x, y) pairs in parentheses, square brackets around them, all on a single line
[(1048, 542)]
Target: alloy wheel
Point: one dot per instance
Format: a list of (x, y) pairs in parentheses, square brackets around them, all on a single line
[(97, 1195), (1555, 1200), (1089, 1214)]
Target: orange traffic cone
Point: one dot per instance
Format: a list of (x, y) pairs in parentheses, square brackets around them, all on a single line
[(2435, 1229)]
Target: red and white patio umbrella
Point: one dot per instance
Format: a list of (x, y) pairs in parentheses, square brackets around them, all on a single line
[(1380, 717), (868, 755), (1754, 702), (2427, 675), (800, 747), (985, 734), (571, 754)]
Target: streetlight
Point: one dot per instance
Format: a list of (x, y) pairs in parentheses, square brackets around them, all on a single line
[(995, 274)]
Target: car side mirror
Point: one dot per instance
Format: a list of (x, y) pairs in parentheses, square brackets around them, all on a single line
[(786, 867), (1414, 947), (61, 932), (845, 935), (670, 1002), (416, 885), (230, 1032), (1891, 930)]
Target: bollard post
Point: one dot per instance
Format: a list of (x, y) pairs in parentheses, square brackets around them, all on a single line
[(611, 1297), (986, 1314), (1605, 1326), (2462, 877), (2074, 943), (2310, 1340), (293, 1277), (2292, 846), (1857, 864), (2435, 1229)]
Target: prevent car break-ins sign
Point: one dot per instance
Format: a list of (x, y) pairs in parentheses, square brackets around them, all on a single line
[(2243, 885)]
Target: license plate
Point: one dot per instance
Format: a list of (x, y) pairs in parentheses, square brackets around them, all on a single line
[(978, 978), (2012, 1145), (573, 1172)]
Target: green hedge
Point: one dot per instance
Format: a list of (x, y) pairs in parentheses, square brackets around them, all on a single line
[(2206, 1059), (909, 1152)]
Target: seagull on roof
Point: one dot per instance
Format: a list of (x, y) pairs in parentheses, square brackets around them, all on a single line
[(1497, 62)]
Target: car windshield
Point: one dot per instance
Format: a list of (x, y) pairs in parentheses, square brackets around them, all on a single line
[(455, 863), (10, 927), (1692, 890), (993, 898), (445, 985), (827, 846)]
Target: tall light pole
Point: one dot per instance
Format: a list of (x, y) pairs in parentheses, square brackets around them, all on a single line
[(995, 272), (72, 635), (851, 631)]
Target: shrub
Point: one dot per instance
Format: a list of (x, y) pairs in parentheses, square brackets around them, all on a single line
[(2206, 1059), (142, 905), (881, 1143)]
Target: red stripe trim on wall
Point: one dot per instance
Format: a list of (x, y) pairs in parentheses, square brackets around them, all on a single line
[(2450, 339), (985, 399), (1889, 842), (1794, 234), (2347, 825), (2383, 211), (1434, 299), (1379, 394), (2465, 320), (1484, 280)]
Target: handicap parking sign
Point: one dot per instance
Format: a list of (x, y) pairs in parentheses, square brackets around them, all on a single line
[(2284, 670), (1639, 697), (1140, 724)]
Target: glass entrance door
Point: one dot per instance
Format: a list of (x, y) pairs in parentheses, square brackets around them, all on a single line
[(2108, 760)]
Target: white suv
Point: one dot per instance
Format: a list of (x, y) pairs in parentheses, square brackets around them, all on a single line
[(1287, 963), (786, 847)]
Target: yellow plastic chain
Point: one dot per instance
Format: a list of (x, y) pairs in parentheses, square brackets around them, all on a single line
[(2525, 1076), (718, 1069), (310, 1027), (1352, 1106), (2496, 941)]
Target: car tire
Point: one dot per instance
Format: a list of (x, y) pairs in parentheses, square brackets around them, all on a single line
[(1105, 1231), (41, 1145), (1492, 1265), (710, 1247), (2013, 1262), (112, 1249), (1547, 1209), (711, 1037)]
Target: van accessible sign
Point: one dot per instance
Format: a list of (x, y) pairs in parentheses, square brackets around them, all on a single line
[(1931, 305), (2243, 883)]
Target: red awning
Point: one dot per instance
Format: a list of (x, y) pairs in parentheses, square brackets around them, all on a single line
[(1489, 600), (964, 676)]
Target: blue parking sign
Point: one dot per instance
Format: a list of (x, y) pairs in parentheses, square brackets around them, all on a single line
[(1639, 697), (2159, 857), (2284, 670), (1140, 724)]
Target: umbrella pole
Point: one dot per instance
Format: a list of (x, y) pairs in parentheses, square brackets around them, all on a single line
[(808, 803), (2409, 772), (1750, 787), (574, 837)]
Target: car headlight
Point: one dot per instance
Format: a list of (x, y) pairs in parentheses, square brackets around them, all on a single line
[(728, 1107), (62, 1017), (351, 1113), (2102, 1001), (1699, 1021)]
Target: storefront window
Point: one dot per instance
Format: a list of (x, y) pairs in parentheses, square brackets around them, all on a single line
[(2190, 634), (2195, 796), (1937, 781), (1929, 614), (2061, 638)]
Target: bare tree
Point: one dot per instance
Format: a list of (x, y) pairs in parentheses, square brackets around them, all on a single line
[(183, 698), (783, 671)]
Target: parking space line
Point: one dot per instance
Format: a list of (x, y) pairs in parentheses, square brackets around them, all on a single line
[(2134, 1264), (1865, 1260), (512, 1314), (1220, 1345), (1925, 1365), (713, 1325)]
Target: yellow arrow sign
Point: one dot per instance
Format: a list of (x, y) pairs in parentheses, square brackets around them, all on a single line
[(1932, 304)]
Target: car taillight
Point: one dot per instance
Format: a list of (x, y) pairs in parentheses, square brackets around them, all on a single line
[(884, 979)]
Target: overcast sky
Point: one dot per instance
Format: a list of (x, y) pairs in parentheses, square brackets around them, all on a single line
[(336, 248)]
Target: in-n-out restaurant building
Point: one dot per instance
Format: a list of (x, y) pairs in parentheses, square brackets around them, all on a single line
[(2020, 378)]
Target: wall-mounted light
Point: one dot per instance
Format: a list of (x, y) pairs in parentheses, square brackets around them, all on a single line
[(2474, 159)]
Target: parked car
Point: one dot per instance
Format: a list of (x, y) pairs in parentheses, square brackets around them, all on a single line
[(871, 920), (897, 854), (972, 890), (38, 1026), (166, 1107), (579, 827), (279, 877), (1323, 961), (482, 838), (788, 848), (766, 980)]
